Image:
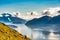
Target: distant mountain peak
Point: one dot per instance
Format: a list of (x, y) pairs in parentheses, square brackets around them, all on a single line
[(43, 21)]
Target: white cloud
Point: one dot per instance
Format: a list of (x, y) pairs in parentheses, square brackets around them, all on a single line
[(24, 30), (28, 15), (52, 11), (35, 35)]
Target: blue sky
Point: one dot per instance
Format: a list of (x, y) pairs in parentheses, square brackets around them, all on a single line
[(27, 5)]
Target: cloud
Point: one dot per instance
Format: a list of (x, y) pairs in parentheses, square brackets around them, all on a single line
[(52, 11), (27, 16), (24, 30)]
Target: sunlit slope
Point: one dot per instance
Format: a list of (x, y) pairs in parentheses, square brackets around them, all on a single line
[(7, 33)]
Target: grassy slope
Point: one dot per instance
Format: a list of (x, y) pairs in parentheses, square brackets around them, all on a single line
[(7, 33)]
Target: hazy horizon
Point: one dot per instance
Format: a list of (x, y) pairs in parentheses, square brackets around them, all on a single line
[(24, 6)]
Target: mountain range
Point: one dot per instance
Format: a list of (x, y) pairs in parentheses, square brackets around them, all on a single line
[(45, 22), (8, 18)]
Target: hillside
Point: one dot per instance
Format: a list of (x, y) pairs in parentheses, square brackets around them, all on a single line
[(7, 33)]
